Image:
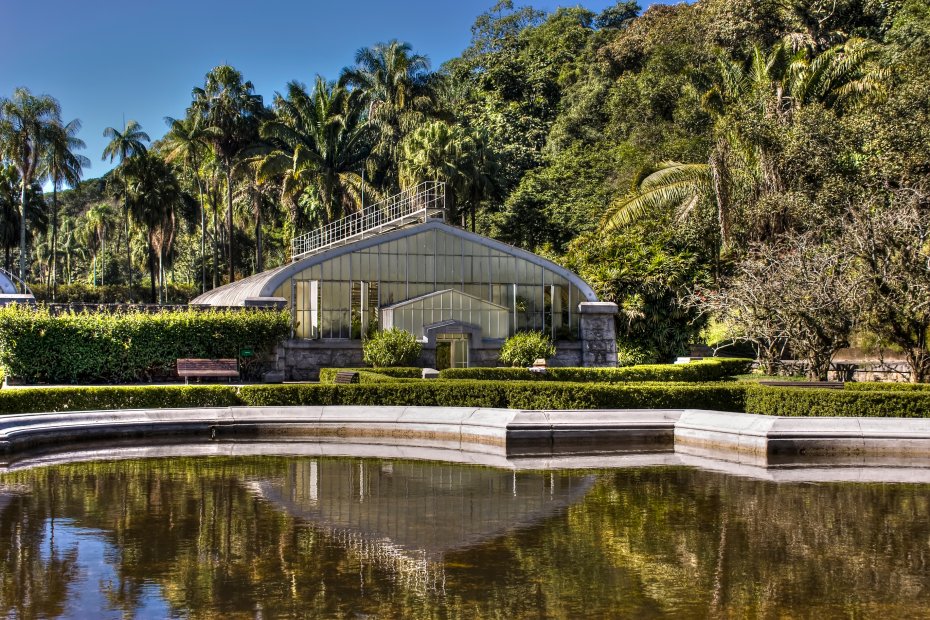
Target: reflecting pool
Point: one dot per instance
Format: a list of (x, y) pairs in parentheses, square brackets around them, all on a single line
[(270, 537)]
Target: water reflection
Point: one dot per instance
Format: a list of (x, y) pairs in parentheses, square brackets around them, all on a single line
[(272, 537)]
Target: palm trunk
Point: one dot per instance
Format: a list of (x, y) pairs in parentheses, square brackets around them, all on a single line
[(22, 235), (54, 239), (128, 249), (203, 238), (152, 267), (216, 245), (258, 236), (229, 223)]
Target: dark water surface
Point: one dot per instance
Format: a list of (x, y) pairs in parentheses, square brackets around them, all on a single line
[(328, 537)]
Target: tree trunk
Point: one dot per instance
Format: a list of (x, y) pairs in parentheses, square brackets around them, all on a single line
[(229, 223), (203, 237), (258, 236), (22, 235), (216, 246), (54, 239), (152, 268), (128, 248)]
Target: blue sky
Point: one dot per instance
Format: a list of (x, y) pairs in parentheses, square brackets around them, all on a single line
[(106, 60)]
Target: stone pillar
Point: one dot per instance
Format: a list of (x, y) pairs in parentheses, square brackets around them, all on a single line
[(598, 333)]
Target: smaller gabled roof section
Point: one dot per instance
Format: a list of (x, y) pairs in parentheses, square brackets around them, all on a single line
[(266, 283), (454, 292)]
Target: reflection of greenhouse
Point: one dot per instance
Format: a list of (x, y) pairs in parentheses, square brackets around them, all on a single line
[(453, 289), (414, 513)]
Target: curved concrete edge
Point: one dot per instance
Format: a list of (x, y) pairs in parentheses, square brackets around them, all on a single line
[(755, 440), (759, 439)]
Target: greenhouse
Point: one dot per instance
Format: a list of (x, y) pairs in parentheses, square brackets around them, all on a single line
[(451, 288)]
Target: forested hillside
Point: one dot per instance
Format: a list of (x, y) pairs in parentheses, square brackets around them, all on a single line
[(761, 162)]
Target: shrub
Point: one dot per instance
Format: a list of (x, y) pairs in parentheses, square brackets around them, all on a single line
[(523, 348), (708, 370), (391, 347), (118, 347)]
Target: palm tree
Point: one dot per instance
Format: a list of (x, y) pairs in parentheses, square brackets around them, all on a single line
[(450, 154), (154, 194), (62, 165), (123, 145), (185, 142), (320, 144), (231, 113), (26, 124), (393, 81)]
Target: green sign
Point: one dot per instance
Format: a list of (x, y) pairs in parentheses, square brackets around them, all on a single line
[(246, 352)]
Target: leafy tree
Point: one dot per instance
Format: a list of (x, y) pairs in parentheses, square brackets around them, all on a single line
[(648, 281), (891, 242)]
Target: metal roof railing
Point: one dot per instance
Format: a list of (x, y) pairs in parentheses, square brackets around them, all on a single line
[(411, 206)]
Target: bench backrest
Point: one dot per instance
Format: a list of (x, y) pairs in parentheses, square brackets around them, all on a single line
[(204, 366), (346, 377)]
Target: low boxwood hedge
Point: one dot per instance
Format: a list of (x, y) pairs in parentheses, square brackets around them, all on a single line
[(790, 401), (728, 396), (706, 370), (328, 375), (509, 394), (35, 400), (885, 386)]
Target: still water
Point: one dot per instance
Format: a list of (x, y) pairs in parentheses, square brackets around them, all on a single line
[(264, 537)]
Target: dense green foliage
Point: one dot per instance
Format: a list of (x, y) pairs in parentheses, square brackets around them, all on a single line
[(391, 348), (666, 155), (524, 348), (39, 347), (707, 370)]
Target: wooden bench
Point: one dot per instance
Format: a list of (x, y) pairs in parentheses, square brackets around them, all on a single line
[(831, 385), (346, 378), (228, 368)]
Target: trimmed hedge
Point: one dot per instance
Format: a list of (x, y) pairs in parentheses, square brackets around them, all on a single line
[(328, 375), (514, 395), (707, 370), (730, 396), (36, 400), (814, 402), (122, 347), (885, 386)]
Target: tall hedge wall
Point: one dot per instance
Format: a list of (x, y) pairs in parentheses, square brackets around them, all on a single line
[(121, 347)]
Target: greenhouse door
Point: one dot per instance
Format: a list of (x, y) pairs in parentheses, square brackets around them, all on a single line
[(452, 351)]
